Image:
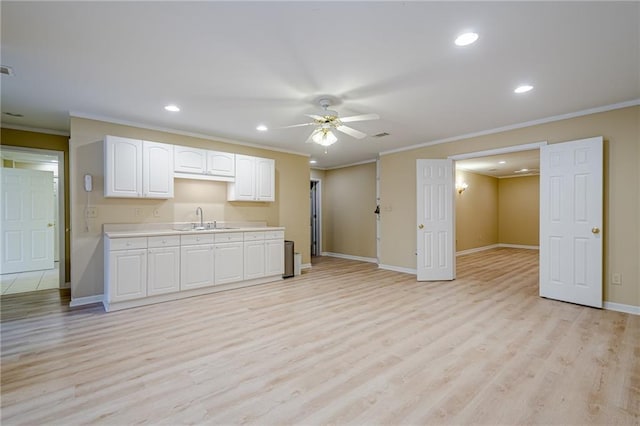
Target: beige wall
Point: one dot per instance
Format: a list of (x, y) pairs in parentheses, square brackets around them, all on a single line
[(476, 211), (519, 210), (290, 210), (620, 129), (349, 203), (25, 139)]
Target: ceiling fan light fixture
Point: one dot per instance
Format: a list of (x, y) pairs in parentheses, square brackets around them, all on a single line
[(324, 137)]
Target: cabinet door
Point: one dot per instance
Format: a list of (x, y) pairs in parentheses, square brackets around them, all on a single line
[(127, 274), (163, 271), (244, 187), (221, 163), (189, 160), (265, 179), (274, 262), (196, 266), (157, 168), (122, 167), (254, 259), (229, 263)]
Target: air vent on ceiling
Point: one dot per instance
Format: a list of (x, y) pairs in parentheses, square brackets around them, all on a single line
[(381, 135), (6, 70)]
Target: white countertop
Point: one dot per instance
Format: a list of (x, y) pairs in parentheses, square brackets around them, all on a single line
[(121, 231)]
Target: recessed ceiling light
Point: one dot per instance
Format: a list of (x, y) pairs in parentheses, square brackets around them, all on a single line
[(523, 88), (262, 128), (466, 39), (502, 162), (312, 161), (172, 108)]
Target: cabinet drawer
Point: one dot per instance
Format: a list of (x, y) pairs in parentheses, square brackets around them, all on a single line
[(229, 237), (251, 236), (274, 235), (127, 243), (164, 241), (189, 240)]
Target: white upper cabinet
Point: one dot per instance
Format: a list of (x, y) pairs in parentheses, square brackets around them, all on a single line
[(189, 160), (157, 173), (255, 179), (221, 163), (122, 167), (196, 163), (137, 169)]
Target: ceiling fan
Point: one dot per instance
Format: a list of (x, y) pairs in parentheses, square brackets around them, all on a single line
[(329, 120)]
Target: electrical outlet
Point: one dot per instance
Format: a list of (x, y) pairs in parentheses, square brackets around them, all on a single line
[(137, 212), (616, 278), (91, 212), (156, 212)]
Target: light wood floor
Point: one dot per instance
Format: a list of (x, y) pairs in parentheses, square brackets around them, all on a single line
[(345, 343)]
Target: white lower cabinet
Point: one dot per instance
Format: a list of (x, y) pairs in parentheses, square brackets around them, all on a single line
[(163, 269), (254, 259), (142, 270), (274, 257), (263, 254), (125, 269), (229, 257), (196, 266)]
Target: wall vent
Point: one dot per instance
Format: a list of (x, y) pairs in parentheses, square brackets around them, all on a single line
[(5, 70)]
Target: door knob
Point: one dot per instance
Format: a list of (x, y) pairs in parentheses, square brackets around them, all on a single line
[(420, 226), (595, 230)]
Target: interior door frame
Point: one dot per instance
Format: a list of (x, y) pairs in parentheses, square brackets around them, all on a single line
[(62, 224), (318, 220)]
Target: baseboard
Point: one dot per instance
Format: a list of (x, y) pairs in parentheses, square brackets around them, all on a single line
[(349, 257), (477, 249), (620, 307), (519, 246), (88, 300), (398, 269), (305, 266)]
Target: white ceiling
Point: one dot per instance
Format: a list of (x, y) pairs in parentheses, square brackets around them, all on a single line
[(233, 65), (521, 163)]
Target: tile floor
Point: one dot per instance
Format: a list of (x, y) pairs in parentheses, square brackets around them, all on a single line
[(30, 281)]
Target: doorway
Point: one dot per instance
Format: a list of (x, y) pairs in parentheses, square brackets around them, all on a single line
[(51, 163), (315, 219)]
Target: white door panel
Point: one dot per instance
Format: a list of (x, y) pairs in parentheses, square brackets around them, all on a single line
[(435, 220), (571, 221), (26, 225)]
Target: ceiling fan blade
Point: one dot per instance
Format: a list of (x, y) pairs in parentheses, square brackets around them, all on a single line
[(296, 125), (351, 132), (315, 117), (362, 117)]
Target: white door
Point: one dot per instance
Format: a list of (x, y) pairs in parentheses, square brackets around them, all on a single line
[(435, 220), (27, 222), (571, 221), (221, 163), (189, 160)]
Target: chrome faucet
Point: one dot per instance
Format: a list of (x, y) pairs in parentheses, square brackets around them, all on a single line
[(199, 209)]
